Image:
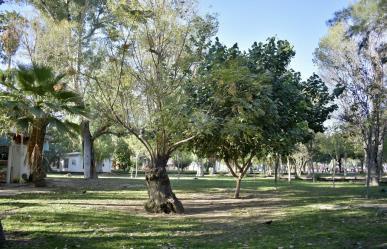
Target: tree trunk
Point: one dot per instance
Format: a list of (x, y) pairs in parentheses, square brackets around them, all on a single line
[(312, 168), (35, 152), (289, 168), (2, 235), (276, 166), (297, 174), (238, 188), (161, 199), (88, 151), (333, 172), (362, 165), (380, 158), (372, 173), (200, 168)]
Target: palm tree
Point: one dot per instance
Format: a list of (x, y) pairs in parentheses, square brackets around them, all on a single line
[(35, 97)]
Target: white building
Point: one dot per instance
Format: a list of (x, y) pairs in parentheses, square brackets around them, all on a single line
[(14, 155), (219, 167), (73, 162)]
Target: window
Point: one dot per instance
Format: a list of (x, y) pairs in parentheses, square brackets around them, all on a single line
[(3, 152), (66, 163), (73, 162)]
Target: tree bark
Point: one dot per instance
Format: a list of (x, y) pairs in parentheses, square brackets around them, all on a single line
[(339, 161), (276, 166), (362, 166), (2, 235), (35, 152), (89, 166), (161, 198), (238, 188), (372, 174), (312, 168), (289, 169), (333, 172), (380, 157)]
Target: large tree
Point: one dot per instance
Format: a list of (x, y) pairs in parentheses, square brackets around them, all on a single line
[(64, 37), (255, 105), (353, 55), (147, 63), (235, 104)]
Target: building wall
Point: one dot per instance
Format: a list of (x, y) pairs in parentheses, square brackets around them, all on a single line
[(17, 163), (75, 164), (105, 166)]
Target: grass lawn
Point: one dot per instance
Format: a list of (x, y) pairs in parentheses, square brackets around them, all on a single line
[(108, 213)]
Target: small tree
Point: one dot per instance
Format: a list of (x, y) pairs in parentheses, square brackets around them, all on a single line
[(123, 154)]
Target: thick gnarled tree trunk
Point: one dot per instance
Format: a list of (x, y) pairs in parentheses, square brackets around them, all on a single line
[(161, 198), (35, 152)]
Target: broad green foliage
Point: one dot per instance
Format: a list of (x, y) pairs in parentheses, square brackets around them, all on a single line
[(35, 92), (253, 103), (233, 101)]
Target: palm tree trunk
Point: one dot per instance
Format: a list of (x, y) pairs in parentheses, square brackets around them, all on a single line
[(161, 198), (35, 151)]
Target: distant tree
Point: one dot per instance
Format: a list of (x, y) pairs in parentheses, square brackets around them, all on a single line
[(123, 154), (65, 36), (182, 159), (352, 56), (339, 144), (11, 28)]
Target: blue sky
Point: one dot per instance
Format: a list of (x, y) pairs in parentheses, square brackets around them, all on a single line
[(301, 22)]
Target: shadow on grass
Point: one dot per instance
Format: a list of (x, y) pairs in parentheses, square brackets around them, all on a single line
[(350, 228)]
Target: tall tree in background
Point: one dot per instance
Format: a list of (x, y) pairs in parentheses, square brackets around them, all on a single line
[(147, 63), (65, 37), (352, 56), (11, 28)]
